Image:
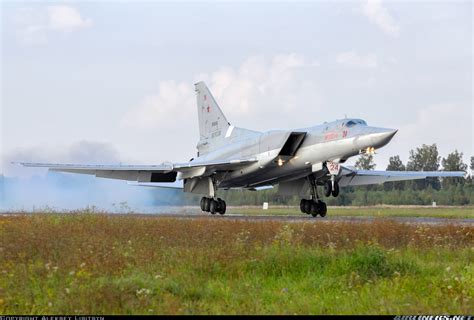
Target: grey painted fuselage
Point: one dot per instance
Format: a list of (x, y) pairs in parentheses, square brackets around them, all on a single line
[(334, 141)]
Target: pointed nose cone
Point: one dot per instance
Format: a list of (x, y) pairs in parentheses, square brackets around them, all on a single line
[(383, 137), (388, 134), (374, 137)]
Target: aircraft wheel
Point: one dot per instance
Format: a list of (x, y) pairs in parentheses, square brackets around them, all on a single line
[(327, 188), (307, 206), (207, 204), (203, 204), (222, 206), (314, 209), (303, 205), (323, 209), (213, 206), (335, 191)]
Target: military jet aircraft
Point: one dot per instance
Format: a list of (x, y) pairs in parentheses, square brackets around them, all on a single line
[(297, 161)]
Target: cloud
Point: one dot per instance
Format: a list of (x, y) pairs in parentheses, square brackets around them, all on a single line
[(379, 15), (158, 109), (35, 25), (353, 59), (263, 87), (64, 18), (450, 118)]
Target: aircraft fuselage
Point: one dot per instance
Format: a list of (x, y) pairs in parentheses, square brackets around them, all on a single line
[(335, 141)]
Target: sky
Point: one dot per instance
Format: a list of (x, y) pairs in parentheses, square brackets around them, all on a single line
[(108, 82)]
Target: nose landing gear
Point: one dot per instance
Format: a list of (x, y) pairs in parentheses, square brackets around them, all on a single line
[(331, 187)]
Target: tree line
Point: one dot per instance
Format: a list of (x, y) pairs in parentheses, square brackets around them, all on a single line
[(445, 191)]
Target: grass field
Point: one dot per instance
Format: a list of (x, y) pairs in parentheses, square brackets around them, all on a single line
[(409, 211), (93, 264)]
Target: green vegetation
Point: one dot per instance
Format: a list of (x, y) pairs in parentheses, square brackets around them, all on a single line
[(92, 263), (421, 212), (355, 196)]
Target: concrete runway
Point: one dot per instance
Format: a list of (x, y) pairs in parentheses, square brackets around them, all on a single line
[(192, 214), (308, 218)]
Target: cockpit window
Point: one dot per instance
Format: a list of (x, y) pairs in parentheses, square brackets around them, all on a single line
[(350, 123), (354, 122)]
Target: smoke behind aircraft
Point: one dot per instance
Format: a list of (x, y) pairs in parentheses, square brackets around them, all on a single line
[(37, 189), (58, 191)]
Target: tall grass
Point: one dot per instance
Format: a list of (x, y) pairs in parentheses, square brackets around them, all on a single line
[(91, 263)]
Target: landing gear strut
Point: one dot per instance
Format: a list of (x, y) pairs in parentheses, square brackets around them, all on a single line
[(314, 206), (213, 205)]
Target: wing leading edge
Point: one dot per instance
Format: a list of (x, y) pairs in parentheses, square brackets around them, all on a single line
[(356, 177), (166, 172)]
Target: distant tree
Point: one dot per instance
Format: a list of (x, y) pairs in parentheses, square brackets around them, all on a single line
[(365, 162), (453, 162), (471, 178), (395, 164), (425, 158)]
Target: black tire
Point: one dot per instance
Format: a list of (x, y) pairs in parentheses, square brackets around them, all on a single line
[(314, 208), (203, 204), (323, 209), (327, 188), (303, 205), (213, 206), (222, 206), (307, 206), (207, 204), (335, 191)]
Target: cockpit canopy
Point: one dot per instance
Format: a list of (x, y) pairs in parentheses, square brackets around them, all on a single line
[(353, 122)]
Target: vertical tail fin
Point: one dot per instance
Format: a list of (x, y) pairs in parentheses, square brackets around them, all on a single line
[(213, 124)]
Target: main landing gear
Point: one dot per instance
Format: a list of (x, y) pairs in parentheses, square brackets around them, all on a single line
[(315, 206), (213, 205)]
